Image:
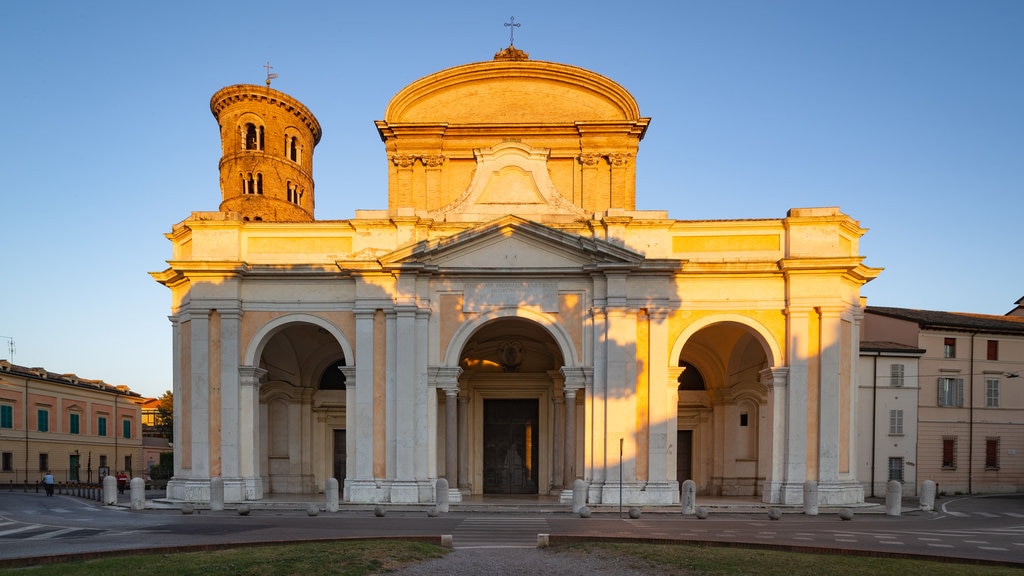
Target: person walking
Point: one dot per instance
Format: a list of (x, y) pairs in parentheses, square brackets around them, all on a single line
[(48, 483), (122, 481)]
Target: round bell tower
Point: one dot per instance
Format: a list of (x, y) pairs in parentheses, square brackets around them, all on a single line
[(266, 164)]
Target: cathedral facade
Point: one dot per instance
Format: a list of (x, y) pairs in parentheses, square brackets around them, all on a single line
[(510, 322)]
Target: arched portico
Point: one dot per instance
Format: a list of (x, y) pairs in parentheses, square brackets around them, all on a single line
[(299, 402), (510, 405), (723, 441)]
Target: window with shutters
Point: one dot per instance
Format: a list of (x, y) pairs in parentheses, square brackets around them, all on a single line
[(993, 350), (991, 393), (895, 422), (949, 452), (950, 391), (991, 453), (896, 374), (6, 416)]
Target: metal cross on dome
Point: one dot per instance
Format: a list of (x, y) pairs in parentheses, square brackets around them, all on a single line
[(512, 25)]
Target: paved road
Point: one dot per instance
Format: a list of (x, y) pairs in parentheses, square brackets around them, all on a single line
[(985, 528)]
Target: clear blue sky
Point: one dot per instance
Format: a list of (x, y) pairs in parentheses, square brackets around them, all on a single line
[(906, 114)]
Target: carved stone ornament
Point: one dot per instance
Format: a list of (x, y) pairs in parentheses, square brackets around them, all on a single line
[(618, 159), (432, 160), (510, 355), (590, 159), (403, 160)]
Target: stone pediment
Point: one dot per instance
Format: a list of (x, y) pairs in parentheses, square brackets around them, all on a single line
[(512, 243)]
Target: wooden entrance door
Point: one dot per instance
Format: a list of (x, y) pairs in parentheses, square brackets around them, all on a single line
[(684, 456), (339, 457), (510, 446)]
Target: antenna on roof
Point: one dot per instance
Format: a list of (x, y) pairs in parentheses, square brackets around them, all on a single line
[(270, 75), (10, 346), (512, 25)]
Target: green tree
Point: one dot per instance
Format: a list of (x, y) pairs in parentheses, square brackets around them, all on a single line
[(165, 415)]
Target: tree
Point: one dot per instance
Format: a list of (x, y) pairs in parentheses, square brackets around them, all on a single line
[(165, 415)]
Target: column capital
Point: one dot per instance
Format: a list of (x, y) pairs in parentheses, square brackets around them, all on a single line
[(230, 313), (350, 375), (445, 378), (575, 378), (251, 375), (775, 377)]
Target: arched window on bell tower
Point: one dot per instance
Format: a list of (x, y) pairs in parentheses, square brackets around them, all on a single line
[(254, 136)]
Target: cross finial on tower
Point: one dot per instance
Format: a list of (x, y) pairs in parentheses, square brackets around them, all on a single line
[(512, 25), (270, 75)]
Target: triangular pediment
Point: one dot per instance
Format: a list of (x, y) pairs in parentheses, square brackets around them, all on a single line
[(513, 243)]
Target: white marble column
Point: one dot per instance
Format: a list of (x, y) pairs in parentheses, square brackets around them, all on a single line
[(199, 376), (360, 484), (663, 401), (463, 442), (776, 490), (249, 378), (230, 397), (575, 380), (401, 404), (558, 442), (828, 397)]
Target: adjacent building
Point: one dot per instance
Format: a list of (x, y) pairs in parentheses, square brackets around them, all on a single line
[(509, 321), (77, 428), (965, 373)]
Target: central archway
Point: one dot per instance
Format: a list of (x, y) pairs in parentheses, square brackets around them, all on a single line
[(513, 388)]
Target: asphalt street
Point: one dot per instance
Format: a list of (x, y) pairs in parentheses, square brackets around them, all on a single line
[(984, 528)]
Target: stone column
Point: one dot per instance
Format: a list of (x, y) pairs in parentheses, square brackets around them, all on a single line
[(432, 164), (199, 378), (451, 436), (575, 380), (360, 485), (249, 378), (558, 443), (402, 405), (230, 397), (619, 162), (463, 442), (828, 398), (402, 195), (776, 489), (594, 196), (663, 410), (351, 381)]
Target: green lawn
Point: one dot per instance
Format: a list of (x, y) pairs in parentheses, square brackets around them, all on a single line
[(354, 558)]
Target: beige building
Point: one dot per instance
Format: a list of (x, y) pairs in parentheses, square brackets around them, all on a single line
[(970, 395), (77, 428), (887, 400), (509, 321)]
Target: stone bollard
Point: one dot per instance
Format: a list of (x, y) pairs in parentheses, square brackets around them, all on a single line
[(216, 493), (811, 498), (775, 514), (584, 512), (378, 511), (331, 494), (243, 509), (634, 513), (701, 513), (846, 514), (928, 496), (893, 498), (441, 490), (579, 495), (312, 510), (543, 540), (689, 497), (446, 540), (110, 490), (137, 493)]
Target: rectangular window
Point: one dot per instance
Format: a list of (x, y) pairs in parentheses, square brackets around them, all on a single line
[(73, 423), (8, 462), (6, 416), (951, 391), (103, 460), (744, 419), (949, 452), (126, 428), (896, 422), (992, 393), (993, 350), (42, 420), (101, 426), (44, 462), (949, 348), (896, 469), (991, 453), (128, 464), (896, 374)]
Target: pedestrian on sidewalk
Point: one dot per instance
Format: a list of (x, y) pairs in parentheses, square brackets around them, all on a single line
[(122, 481), (48, 483)]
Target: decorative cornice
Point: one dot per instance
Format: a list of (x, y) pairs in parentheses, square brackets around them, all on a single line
[(252, 93)]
